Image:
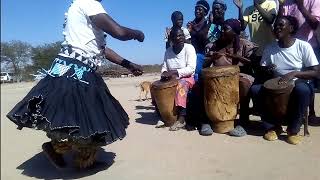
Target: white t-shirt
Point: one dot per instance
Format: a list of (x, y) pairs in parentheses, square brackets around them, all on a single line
[(79, 32), (184, 62), (300, 55)]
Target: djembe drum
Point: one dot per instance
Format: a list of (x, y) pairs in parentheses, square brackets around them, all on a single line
[(164, 93), (276, 97), (221, 96)]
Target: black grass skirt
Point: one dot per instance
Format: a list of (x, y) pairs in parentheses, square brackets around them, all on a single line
[(72, 103)]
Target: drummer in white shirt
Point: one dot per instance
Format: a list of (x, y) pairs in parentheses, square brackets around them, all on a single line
[(292, 59), (180, 63)]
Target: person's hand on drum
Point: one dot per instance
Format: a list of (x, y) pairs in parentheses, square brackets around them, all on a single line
[(167, 75), (287, 77), (268, 69), (272, 67)]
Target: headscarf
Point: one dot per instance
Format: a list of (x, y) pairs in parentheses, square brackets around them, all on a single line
[(234, 24), (221, 2), (236, 27), (204, 4)]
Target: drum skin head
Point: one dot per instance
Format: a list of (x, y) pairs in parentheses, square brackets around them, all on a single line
[(220, 71), (276, 97), (164, 84), (273, 84)]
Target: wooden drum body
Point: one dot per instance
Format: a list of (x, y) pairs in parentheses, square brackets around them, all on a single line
[(221, 96), (164, 93), (276, 97)]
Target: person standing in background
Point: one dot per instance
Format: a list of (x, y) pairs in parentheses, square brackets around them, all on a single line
[(216, 20), (259, 17), (177, 21), (198, 29)]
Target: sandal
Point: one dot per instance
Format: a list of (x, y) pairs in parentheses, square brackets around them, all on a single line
[(176, 126), (238, 131), (206, 130), (271, 136), (294, 139)]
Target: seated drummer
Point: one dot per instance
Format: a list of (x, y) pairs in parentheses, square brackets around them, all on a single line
[(230, 49), (292, 59), (179, 63)]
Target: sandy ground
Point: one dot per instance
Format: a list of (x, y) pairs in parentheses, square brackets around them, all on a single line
[(149, 153)]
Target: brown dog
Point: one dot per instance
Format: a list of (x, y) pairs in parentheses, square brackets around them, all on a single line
[(144, 88)]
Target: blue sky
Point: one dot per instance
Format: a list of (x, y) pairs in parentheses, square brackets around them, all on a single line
[(40, 21)]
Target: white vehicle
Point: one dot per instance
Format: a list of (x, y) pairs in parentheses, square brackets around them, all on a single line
[(41, 73), (7, 77)]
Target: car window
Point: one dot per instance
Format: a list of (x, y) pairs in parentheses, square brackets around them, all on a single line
[(3, 74)]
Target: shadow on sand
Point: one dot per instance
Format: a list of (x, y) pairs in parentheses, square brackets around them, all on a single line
[(315, 121), (145, 108), (149, 118), (255, 128), (39, 167), (142, 99)]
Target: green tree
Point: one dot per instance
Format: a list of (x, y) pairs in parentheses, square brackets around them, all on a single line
[(16, 54), (43, 55)]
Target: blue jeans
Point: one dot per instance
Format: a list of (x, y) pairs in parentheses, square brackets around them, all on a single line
[(298, 103)]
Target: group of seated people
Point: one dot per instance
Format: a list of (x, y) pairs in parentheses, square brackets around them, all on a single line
[(277, 49)]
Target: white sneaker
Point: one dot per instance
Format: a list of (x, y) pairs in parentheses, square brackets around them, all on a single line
[(160, 124)]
